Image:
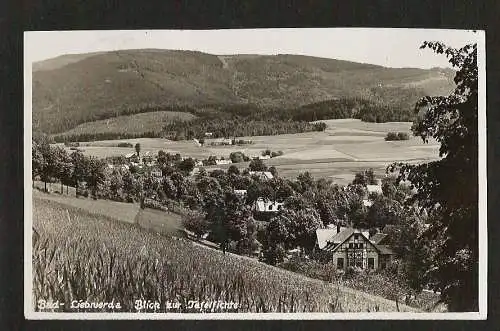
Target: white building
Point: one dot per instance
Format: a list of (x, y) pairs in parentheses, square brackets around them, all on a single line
[(263, 205), (219, 162)]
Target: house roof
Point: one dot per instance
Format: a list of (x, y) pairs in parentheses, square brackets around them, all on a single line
[(266, 205), (384, 249), (377, 237), (324, 235), (342, 236), (266, 174)]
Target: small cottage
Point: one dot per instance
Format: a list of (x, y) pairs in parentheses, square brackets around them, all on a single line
[(267, 206)]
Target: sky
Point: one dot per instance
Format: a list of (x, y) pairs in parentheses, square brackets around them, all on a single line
[(387, 47)]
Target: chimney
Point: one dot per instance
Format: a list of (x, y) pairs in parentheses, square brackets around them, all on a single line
[(338, 228)]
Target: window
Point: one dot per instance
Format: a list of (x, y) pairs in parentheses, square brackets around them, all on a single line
[(351, 245), (356, 236), (340, 263), (371, 263), (279, 207), (270, 207), (360, 245)]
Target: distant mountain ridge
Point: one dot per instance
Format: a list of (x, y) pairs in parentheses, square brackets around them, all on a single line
[(73, 89)]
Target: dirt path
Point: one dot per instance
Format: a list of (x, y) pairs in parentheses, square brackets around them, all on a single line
[(222, 59)]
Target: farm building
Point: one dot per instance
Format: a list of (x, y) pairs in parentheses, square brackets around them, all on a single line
[(262, 174), (351, 247), (267, 206), (221, 142)]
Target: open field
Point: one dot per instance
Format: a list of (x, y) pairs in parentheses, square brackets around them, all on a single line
[(345, 147), (124, 263), (149, 219)]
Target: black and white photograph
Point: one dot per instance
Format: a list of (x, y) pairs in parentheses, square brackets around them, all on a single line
[(299, 173)]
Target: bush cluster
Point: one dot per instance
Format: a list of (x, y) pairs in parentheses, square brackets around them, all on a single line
[(397, 136), (125, 144)]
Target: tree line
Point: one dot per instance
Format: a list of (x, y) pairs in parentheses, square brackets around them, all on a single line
[(51, 163)]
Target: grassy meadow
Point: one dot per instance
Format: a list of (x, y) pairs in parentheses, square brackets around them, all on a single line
[(82, 255), (346, 146), (148, 219)]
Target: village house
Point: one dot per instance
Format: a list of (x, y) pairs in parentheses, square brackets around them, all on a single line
[(370, 191), (155, 171), (351, 247), (267, 206), (221, 142), (261, 174)]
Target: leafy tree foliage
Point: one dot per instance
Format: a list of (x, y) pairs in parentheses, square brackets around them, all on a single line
[(187, 165), (449, 187), (257, 165), (138, 149), (197, 223), (364, 178)]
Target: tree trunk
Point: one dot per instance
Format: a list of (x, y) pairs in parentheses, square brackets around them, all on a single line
[(62, 187), (45, 186), (76, 189)]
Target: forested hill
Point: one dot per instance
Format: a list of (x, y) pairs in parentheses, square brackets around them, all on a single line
[(75, 89)]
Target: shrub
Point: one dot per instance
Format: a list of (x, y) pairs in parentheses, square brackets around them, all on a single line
[(391, 136), (397, 136), (153, 204), (403, 136), (125, 144)]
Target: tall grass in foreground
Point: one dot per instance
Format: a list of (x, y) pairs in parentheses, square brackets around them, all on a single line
[(81, 256)]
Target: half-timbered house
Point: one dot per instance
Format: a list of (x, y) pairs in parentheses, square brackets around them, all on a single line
[(349, 247)]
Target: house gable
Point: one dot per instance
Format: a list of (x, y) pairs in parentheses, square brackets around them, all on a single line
[(347, 238)]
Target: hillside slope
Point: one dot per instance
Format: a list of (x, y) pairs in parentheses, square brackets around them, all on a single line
[(75, 89)]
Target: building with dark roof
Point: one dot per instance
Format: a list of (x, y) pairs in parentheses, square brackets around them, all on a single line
[(350, 247)]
